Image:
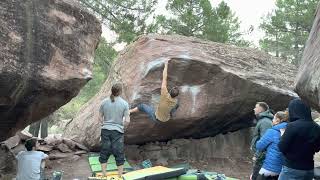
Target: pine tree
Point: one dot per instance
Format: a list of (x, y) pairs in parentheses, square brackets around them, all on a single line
[(287, 28)]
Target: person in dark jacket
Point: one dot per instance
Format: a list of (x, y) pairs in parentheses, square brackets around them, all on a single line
[(272, 164), (264, 117), (299, 143)]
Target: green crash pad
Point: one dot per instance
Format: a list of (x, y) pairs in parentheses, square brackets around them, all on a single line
[(111, 164), (154, 173), (194, 174), (194, 177)]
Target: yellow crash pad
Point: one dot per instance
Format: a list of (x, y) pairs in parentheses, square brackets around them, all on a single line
[(113, 175)]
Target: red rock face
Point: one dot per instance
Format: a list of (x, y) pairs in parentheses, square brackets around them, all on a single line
[(219, 86), (308, 79), (47, 49), (234, 146)]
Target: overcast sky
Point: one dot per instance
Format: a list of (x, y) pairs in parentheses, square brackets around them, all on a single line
[(248, 11)]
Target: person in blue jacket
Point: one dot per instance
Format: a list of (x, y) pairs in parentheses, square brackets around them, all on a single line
[(272, 164)]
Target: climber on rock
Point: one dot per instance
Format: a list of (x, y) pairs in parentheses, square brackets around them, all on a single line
[(168, 102)]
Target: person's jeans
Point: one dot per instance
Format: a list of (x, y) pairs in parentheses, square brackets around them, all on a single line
[(295, 174), (257, 164), (256, 168), (149, 110), (112, 142), (263, 177)]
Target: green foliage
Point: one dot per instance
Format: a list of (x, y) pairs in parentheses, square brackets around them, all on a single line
[(198, 18), (127, 18), (287, 28), (104, 56)]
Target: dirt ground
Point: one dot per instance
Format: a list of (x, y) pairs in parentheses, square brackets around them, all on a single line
[(80, 169), (239, 168)]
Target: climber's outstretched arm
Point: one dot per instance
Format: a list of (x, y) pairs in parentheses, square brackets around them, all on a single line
[(164, 77)]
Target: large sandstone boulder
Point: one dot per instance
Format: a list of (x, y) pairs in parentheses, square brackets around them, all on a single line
[(8, 163), (308, 78), (219, 84), (234, 145), (46, 56)]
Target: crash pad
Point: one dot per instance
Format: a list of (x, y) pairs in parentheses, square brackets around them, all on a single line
[(154, 173), (111, 164), (112, 175), (194, 174)]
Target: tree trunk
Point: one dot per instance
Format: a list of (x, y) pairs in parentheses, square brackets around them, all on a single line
[(296, 43), (44, 127), (277, 46), (34, 129)]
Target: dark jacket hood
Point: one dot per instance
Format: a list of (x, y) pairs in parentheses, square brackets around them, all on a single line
[(298, 110)]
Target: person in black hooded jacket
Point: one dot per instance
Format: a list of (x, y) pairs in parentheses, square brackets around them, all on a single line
[(299, 143)]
